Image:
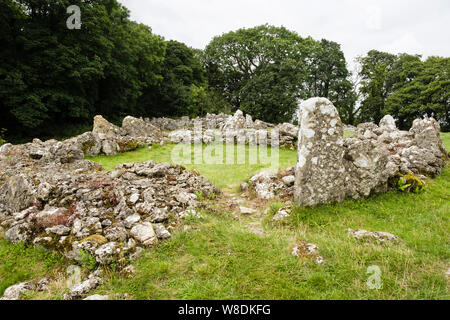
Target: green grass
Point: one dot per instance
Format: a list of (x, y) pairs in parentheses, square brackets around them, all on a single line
[(19, 263), (446, 139), (348, 133), (217, 257), (224, 176)]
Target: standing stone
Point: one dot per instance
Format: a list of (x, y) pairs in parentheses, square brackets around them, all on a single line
[(388, 123), (320, 172)]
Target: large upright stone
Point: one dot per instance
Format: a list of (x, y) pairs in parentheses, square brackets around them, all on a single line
[(320, 172)]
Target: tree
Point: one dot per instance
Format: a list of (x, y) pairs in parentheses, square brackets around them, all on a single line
[(183, 86), (330, 78), (404, 102), (376, 84), (265, 70), (53, 76)]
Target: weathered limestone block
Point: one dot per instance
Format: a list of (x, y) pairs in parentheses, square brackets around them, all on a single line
[(16, 192), (90, 144), (388, 123), (320, 171), (138, 128), (288, 129), (366, 167), (235, 122)]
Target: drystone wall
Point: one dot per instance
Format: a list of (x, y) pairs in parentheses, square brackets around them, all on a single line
[(331, 168)]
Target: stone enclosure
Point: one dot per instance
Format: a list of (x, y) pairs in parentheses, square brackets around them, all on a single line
[(331, 168), (51, 197)]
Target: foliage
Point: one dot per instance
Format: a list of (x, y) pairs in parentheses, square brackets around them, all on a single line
[(409, 183), (54, 80), (405, 87), (52, 75), (182, 89), (88, 261), (2, 135), (20, 263), (375, 85), (265, 70)]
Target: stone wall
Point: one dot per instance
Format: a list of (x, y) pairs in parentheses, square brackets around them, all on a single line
[(331, 168)]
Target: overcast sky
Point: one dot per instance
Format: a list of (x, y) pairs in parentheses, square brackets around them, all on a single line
[(412, 26)]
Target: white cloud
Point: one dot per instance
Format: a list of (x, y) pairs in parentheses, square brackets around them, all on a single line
[(413, 26), (374, 18), (407, 43)]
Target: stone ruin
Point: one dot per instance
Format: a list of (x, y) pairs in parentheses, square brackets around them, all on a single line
[(51, 197), (331, 168), (232, 129)]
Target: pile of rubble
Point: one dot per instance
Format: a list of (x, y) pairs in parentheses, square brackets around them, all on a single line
[(267, 185), (51, 197)]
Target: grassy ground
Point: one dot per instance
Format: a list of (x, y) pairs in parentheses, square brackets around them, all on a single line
[(218, 257), (20, 263), (225, 176)]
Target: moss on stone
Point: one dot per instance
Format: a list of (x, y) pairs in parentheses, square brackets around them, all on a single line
[(86, 146), (100, 240), (408, 183)]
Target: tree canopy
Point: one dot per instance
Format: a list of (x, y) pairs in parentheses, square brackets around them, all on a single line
[(51, 75), (406, 87), (265, 70), (53, 78)]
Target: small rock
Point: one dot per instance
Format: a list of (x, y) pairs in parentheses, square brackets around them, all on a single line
[(58, 230), (115, 174), (190, 213), (42, 285), (84, 287), (137, 253), (378, 236), (245, 210), (134, 198), (281, 215), (288, 180), (104, 254), (244, 186), (161, 231), (16, 291), (132, 220), (129, 270), (308, 250), (144, 234)]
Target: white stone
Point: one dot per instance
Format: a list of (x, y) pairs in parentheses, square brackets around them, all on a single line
[(144, 234)]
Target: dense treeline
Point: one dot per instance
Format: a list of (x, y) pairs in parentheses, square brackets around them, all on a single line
[(54, 80), (52, 77), (405, 87), (266, 70)]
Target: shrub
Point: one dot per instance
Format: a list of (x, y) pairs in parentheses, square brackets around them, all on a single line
[(88, 261)]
